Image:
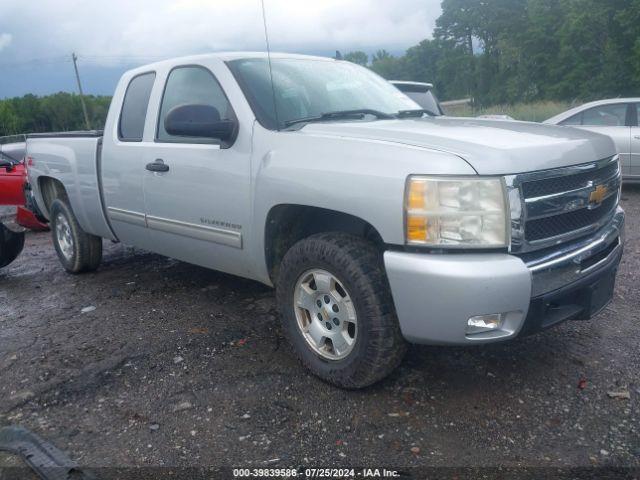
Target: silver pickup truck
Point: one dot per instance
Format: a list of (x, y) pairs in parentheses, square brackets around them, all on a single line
[(377, 224)]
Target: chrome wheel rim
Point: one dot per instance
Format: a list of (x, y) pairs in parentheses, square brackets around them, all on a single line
[(325, 314), (63, 236)]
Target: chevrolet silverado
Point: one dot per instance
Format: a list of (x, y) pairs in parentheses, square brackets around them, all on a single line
[(377, 224)]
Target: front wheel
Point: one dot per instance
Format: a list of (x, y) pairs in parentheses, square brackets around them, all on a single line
[(77, 250), (11, 244), (337, 311)]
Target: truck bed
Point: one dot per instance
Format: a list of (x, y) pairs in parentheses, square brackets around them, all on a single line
[(76, 134), (72, 158)]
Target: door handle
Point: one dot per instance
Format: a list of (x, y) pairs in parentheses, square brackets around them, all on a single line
[(637, 137), (157, 166)]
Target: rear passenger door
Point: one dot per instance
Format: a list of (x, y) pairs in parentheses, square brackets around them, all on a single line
[(199, 209), (123, 161)]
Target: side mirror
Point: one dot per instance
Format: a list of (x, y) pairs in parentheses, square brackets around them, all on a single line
[(201, 121)]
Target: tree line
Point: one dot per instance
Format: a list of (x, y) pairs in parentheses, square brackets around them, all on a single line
[(507, 51), (60, 112), (494, 51)]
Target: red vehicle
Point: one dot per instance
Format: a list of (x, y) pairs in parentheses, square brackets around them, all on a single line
[(16, 211)]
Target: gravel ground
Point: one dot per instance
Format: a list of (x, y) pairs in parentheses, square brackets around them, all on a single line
[(174, 365)]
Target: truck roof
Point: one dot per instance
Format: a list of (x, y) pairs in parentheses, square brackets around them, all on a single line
[(228, 56)]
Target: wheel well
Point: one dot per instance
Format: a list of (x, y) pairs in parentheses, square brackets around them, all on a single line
[(51, 189), (288, 224)]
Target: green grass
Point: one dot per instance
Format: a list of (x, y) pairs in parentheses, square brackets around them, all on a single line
[(532, 112)]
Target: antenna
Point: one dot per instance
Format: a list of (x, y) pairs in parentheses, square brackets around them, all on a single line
[(273, 88)]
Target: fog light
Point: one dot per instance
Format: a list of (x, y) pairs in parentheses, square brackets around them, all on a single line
[(484, 323)]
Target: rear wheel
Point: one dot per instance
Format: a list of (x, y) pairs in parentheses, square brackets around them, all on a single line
[(77, 250), (11, 244), (337, 310)]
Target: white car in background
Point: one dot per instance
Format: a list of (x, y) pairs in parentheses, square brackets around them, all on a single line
[(617, 118)]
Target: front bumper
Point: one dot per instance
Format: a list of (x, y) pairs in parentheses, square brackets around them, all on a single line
[(436, 295)]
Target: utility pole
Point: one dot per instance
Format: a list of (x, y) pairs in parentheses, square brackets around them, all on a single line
[(84, 107)]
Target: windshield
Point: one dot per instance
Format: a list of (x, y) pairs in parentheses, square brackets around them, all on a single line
[(310, 88)]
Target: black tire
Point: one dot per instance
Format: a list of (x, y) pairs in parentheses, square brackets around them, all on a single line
[(11, 244), (86, 249), (379, 346)]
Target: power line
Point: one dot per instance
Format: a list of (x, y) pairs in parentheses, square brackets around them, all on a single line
[(36, 61), (90, 58), (123, 56)]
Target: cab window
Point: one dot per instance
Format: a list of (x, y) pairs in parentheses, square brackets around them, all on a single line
[(134, 108)]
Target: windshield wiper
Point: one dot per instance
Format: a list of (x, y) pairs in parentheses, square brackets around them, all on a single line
[(341, 114), (414, 113)]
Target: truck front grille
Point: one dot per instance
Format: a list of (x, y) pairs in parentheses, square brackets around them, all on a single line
[(563, 204), (557, 225), (567, 183)]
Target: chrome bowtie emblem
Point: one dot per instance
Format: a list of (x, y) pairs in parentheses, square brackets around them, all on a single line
[(598, 195)]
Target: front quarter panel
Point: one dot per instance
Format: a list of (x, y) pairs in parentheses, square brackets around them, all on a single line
[(363, 178)]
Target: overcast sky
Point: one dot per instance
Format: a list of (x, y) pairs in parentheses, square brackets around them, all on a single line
[(38, 36)]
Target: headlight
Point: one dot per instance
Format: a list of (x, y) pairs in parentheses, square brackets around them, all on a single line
[(456, 212)]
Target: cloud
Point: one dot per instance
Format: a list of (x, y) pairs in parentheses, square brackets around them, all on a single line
[(106, 32), (5, 40)]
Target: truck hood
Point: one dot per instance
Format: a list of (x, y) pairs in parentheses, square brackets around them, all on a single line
[(491, 147)]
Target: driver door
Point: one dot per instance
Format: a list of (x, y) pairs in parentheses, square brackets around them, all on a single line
[(198, 209)]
